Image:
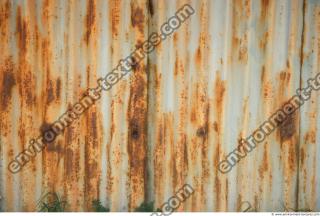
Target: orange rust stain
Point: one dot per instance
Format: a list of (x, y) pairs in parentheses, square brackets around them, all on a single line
[(4, 17), (292, 157), (288, 63), (22, 33), (264, 41), (263, 74), (45, 11), (284, 77), (193, 115), (235, 42), (115, 16), (45, 52), (243, 51), (266, 85), (310, 137), (239, 202), (202, 132), (217, 187), (220, 92), (91, 158), (27, 86), (216, 127), (264, 8), (198, 56), (8, 82), (175, 38), (158, 160), (176, 66), (90, 20), (265, 163), (218, 103), (137, 147), (137, 17)]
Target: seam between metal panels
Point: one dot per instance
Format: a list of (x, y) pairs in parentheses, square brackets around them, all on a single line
[(300, 110)]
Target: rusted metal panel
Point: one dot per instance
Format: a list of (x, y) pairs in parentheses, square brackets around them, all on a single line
[(171, 121), (214, 82), (54, 51), (309, 138)]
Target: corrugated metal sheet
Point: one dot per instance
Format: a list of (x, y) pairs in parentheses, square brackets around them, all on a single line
[(186, 106)]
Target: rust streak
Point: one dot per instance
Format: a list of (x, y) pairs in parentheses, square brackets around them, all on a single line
[(115, 16), (137, 17), (150, 7), (90, 20), (22, 33), (8, 82), (264, 8)]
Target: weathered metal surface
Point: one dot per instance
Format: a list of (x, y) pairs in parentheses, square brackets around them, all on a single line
[(309, 148), (224, 72)]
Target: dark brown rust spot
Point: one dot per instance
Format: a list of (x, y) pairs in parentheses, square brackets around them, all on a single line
[(68, 161), (69, 134), (22, 32), (50, 93), (58, 88), (302, 155), (134, 130), (137, 17), (287, 128), (263, 74), (55, 147), (7, 83), (150, 6), (94, 125), (90, 20), (44, 127), (201, 132)]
